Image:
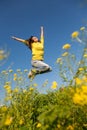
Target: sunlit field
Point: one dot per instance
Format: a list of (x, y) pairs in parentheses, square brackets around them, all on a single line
[(60, 108)]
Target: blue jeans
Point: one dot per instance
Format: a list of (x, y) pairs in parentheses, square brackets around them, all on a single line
[(40, 67)]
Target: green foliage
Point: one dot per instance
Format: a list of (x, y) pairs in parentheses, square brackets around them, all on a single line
[(31, 110)]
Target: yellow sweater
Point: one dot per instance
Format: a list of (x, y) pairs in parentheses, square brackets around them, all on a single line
[(38, 50)]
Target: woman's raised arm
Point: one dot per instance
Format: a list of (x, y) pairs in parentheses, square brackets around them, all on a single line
[(19, 39)]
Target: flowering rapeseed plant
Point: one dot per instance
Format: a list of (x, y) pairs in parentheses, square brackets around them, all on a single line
[(8, 120), (66, 46), (4, 54), (4, 108), (82, 28), (38, 125), (54, 85), (75, 34), (21, 122), (65, 54), (59, 60), (85, 55), (78, 81), (70, 127), (68, 64), (80, 97), (62, 109)]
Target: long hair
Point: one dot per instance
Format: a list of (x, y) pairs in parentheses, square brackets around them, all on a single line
[(30, 41)]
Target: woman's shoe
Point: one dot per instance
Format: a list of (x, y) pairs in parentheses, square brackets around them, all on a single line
[(31, 74)]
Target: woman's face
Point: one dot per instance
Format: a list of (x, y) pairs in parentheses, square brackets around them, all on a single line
[(35, 39)]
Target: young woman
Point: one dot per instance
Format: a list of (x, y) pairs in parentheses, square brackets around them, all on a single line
[(37, 49)]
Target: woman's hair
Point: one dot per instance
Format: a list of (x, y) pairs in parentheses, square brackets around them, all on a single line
[(30, 41)]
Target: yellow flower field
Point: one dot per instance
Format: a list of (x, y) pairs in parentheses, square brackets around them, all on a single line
[(62, 107)]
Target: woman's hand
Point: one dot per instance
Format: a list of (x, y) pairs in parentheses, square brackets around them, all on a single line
[(13, 37), (42, 32)]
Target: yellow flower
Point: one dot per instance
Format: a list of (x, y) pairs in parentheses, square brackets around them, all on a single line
[(1, 51), (85, 125), (8, 98), (8, 121), (7, 83), (66, 46), (31, 89), (24, 90), (1, 57), (7, 87), (25, 70), (38, 125), (65, 54), (82, 28), (3, 72), (81, 62), (9, 91), (16, 90), (81, 69), (84, 99), (77, 99), (54, 85), (21, 122), (58, 60), (10, 71), (84, 89), (15, 78), (84, 78), (35, 85), (4, 108), (15, 75), (78, 90), (59, 126), (75, 34), (78, 81), (80, 97), (70, 127), (85, 55), (85, 49)]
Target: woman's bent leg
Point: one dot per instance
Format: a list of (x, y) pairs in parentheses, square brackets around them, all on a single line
[(40, 67)]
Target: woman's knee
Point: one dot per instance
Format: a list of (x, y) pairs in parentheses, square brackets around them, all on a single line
[(48, 68)]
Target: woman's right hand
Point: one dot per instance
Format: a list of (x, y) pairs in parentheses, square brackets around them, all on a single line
[(13, 37)]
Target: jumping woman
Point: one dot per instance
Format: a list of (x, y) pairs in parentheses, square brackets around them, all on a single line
[(37, 49)]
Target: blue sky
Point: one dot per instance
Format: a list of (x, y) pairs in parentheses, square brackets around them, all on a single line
[(23, 18)]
